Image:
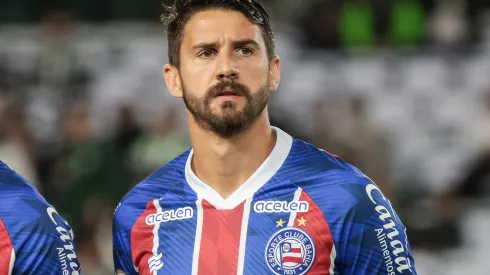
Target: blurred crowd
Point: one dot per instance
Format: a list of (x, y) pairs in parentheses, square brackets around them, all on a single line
[(81, 135), (47, 135), (333, 24)]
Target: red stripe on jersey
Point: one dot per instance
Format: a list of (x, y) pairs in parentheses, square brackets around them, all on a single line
[(315, 224), (220, 240), (6, 250), (296, 250), (142, 240)]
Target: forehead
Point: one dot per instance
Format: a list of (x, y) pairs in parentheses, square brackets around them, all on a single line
[(220, 25)]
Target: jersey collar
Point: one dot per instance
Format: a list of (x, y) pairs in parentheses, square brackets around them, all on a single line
[(261, 176)]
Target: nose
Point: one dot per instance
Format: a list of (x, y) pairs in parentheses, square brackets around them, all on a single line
[(227, 70), (231, 74)]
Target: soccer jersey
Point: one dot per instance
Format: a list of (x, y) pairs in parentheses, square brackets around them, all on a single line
[(34, 238), (303, 211)]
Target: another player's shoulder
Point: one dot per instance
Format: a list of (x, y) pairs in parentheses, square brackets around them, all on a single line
[(32, 223), (153, 187), (20, 202)]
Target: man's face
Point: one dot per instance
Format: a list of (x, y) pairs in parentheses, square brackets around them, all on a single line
[(224, 71)]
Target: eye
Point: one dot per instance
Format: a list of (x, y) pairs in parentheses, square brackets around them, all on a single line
[(206, 54), (245, 51)]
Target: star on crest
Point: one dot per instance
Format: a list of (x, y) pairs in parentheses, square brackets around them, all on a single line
[(280, 223), (302, 221)]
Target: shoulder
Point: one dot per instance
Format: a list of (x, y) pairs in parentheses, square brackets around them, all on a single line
[(153, 187), (359, 215), (311, 167), (328, 179)]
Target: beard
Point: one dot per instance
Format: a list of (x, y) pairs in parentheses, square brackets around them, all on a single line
[(228, 121)]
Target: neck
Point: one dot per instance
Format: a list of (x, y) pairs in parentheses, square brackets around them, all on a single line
[(226, 163)]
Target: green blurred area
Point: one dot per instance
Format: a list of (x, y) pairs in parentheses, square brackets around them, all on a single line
[(406, 24)]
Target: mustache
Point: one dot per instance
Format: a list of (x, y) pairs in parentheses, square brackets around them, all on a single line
[(238, 89)]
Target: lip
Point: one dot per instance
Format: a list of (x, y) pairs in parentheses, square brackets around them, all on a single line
[(228, 97), (227, 93)]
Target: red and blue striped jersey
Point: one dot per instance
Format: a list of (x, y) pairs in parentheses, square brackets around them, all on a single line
[(34, 238), (303, 211)]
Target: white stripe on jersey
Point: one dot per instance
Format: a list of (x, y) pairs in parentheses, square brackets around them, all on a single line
[(197, 242), (292, 216), (155, 262), (12, 262), (333, 255), (243, 237)]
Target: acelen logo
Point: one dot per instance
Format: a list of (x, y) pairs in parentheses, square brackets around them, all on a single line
[(281, 206), (170, 215)]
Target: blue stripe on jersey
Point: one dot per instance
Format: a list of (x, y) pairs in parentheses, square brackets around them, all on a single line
[(177, 237), (261, 226)]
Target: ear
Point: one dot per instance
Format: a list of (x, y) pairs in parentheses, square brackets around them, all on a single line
[(274, 73), (172, 78)]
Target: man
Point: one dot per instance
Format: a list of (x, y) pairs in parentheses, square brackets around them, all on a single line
[(34, 238), (248, 198)]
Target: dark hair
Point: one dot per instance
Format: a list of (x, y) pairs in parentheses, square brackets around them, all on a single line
[(175, 17)]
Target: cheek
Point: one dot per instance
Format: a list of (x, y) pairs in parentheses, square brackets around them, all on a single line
[(256, 76), (195, 82)]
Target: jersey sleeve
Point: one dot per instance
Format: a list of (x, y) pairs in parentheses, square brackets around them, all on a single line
[(42, 244), (374, 240), (121, 232)]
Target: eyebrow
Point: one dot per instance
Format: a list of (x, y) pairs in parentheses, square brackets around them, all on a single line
[(236, 43)]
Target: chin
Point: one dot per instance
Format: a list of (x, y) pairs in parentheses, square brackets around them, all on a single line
[(226, 107), (232, 111)]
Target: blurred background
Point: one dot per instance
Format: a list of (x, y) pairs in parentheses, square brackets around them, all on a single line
[(399, 88)]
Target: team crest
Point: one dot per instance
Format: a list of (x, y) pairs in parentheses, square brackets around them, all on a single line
[(290, 251)]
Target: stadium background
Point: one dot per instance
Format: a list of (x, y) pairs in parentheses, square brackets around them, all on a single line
[(399, 88)]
